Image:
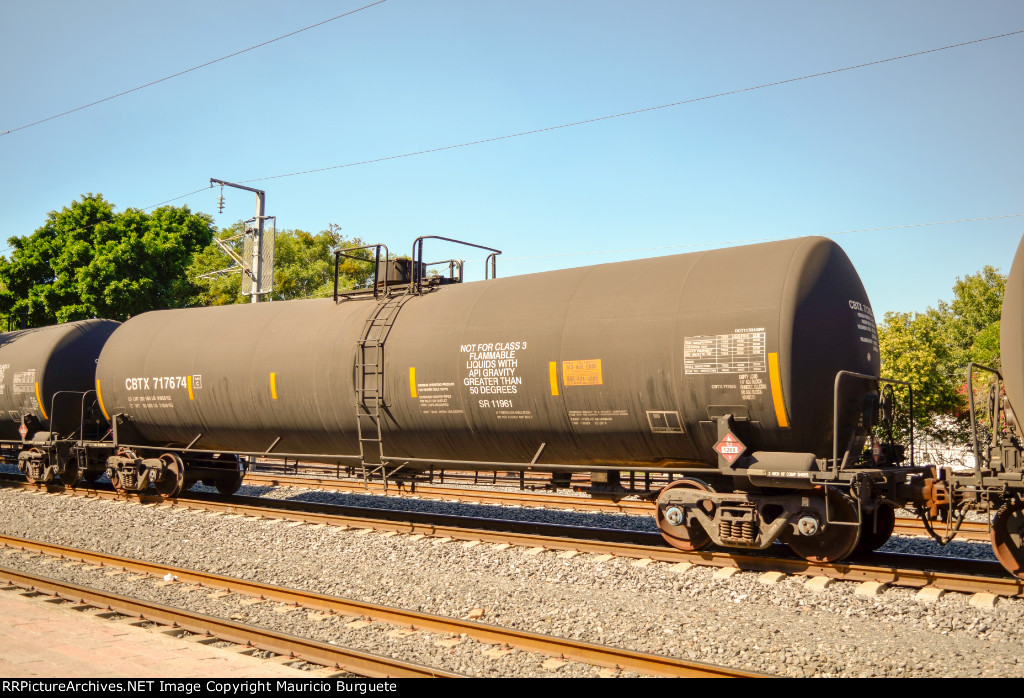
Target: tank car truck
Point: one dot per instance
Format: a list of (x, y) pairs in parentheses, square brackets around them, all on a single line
[(749, 375)]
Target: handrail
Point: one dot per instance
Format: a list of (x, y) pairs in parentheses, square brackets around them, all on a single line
[(970, 401), (81, 414), (339, 253), (835, 416), (53, 412), (453, 264), (417, 255)]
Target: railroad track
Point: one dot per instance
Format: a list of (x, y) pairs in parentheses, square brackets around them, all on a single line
[(311, 651), (323, 653), (451, 492), (469, 478), (947, 574), (906, 526)]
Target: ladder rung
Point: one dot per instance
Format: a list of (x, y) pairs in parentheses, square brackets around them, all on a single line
[(369, 401)]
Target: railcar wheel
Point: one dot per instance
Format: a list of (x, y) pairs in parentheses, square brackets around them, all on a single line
[(70, 475), (172, 481), (231, 480), (876, 531), (832, 542), (1008, 537), (680, 535), (115, 482), (229, 484)]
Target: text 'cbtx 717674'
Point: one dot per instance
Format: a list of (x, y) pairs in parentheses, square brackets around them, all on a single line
[(749, 376)]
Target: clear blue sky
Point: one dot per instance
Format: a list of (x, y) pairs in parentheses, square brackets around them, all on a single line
[(932, 138)]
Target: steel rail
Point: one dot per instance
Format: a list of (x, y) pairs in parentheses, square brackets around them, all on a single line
[(895, 574), (598, 655), (313, 651), (905, 526), (969, 530), (547, 500)]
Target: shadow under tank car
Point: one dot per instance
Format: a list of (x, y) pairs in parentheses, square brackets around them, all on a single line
[(748, 374)]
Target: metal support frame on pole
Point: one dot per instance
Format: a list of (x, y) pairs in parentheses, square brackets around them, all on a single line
[(254, 267)]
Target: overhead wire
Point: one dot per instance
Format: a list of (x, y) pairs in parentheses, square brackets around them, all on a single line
[(612, 116), (727, 243), (597, 119), (638, 111), (716, 243), (183, 196), (189, 70)]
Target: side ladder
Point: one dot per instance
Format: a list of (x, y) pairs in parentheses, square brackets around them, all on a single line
[(369, 383)]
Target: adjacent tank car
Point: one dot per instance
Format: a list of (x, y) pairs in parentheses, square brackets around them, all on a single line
[(45, 382), (996, 483)]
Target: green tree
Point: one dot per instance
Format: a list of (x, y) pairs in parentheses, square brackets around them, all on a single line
[(973, 317), (88, 261), (303, 267), (931, 350)]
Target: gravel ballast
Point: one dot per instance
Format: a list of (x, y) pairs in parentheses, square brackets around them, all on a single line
[(787, 629)]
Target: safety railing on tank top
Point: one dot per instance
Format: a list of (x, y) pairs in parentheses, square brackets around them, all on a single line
[(418, 267), (418, 271)]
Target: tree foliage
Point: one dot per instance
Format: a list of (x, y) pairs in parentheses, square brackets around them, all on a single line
[(88, 261), (931, 351), (303, 267)]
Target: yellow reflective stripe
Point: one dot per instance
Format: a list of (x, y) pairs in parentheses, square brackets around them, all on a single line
[(99, 397), (412, 381), (190, 395), (273, 385), (553, 371), (40, 401), (776, 381)]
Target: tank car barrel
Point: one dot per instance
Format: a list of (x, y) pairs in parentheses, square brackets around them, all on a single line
[(586, 360)]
